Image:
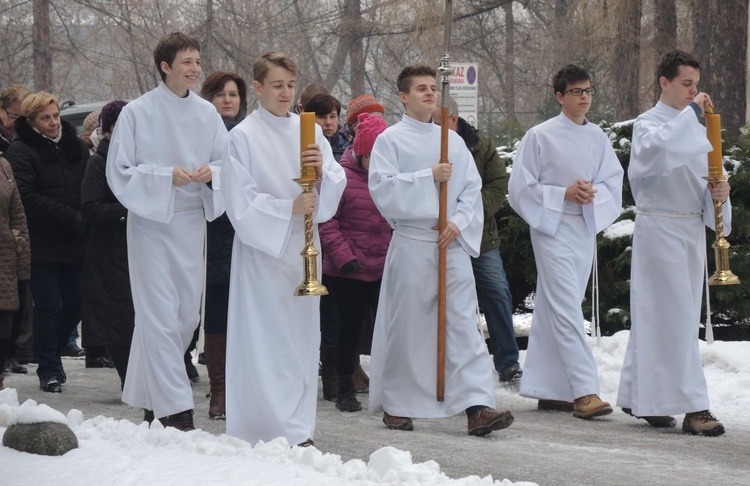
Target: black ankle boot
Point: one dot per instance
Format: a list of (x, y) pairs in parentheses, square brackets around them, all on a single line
[(346, 401)]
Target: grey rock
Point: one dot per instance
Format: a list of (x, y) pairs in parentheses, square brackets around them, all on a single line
[(44, 438)]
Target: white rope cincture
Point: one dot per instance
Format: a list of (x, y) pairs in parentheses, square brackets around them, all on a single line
[(202, 321), (595, 298), (709, 325)]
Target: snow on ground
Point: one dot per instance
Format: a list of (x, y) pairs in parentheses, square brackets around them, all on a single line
[(726, 366), (126, 453)]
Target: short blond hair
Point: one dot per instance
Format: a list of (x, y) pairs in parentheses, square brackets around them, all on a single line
[(35, 103), (273, 58), (14, 93)]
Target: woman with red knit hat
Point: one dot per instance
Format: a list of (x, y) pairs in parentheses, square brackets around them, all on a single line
[(355, 242), (361, 104)]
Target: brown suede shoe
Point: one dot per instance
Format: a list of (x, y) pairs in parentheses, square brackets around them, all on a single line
[(555, 405), (590, 406), (657, 421), (397, 423), (488, 419), (702, 423)]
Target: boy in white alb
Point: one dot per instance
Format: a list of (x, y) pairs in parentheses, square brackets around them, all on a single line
[(403, 181), (163, 166), (273, 335), (567, 185), (662, 373)]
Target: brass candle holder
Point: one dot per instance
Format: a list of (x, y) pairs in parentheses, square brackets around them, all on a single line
[(310, 285), (723, 275)]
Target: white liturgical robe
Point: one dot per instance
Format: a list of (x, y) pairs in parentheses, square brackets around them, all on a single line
[(403, 370), (166, 227), (552, 156), (273, 336), (662, 372)]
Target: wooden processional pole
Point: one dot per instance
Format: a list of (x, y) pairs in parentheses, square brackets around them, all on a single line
[(445, 72)]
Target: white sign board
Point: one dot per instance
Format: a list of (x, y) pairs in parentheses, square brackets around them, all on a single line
[(465, 90)]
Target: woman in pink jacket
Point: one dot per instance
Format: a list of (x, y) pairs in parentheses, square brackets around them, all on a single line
[(355, 242)]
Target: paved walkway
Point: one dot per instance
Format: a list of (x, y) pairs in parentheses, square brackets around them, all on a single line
[(544, 447)]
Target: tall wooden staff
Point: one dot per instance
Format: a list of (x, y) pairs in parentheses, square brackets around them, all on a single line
[(445, 71)]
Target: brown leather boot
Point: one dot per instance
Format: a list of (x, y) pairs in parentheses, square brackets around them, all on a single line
[(181, 421), (488, 419), (702, 423), (590, 406), (397, 423), (215, 349), (361, 380)]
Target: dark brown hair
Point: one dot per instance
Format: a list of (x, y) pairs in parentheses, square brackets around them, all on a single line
[(215, 83), (669, 64), (403, 82), (568, 75), (168, 47), (323, 104)]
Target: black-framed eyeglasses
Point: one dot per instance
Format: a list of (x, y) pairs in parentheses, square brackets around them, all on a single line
[(12, 116), (579, 91)]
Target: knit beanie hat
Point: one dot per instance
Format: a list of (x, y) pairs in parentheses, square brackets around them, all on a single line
[(90, 124), (110, 112), (362, 104), (370, 126)]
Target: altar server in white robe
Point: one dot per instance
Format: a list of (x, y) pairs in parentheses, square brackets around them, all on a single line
[(403, 180), (662, 373), (566, 184), (273, 336), (167, 147)]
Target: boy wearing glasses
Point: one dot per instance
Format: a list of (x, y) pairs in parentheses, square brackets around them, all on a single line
[(567, 185)]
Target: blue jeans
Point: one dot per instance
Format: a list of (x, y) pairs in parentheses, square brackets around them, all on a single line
[(495, 301), (56, 288)]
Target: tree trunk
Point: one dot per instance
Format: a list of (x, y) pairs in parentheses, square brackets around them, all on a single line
[(665, 33), (42, 51), (702, 35), (510, 78), (353, 12), (207, 54), (627, 59), (728, 74)]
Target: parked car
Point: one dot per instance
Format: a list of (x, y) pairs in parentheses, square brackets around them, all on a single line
[(75, 114)]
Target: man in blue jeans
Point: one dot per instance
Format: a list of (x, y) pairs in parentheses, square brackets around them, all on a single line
[(493, 292)]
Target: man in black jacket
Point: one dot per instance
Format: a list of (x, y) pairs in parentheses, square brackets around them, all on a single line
[(493, 291)]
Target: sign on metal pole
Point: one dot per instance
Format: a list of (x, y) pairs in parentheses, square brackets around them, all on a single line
[(464, 88)]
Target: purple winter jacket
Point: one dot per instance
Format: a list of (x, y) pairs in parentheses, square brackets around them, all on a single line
[(357, 231)]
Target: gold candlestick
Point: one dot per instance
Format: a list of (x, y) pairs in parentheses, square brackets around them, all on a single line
[(310, 285), (723, 275)]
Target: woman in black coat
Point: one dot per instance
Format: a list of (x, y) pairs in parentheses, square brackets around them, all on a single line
[(228, 93), (107, 299), (48, 160)]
